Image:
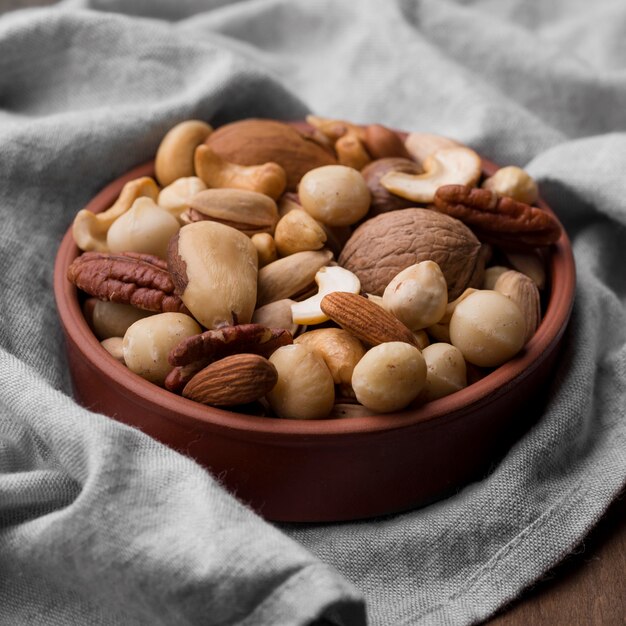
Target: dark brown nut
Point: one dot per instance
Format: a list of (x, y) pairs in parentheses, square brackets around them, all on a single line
[(383, 246), (233, 380), (127, 278), (498, 220), (256, 141), (382, 142), (383, 200)]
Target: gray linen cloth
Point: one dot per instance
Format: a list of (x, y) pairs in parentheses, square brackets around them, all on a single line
[(101, 525)]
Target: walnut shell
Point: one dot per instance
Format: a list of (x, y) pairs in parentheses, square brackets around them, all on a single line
[(386, 244), (257, 141)]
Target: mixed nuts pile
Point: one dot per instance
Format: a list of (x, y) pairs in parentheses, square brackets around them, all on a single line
[(313, 270)]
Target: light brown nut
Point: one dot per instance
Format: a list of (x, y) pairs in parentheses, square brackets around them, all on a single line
[(351, 152), (305, 388), (421, 145), (233, 380), (90, 229), (524, 292), (144, 228), (441, 331), (267, 178), (446, 371), (382, 142), (290, 276), (265, 248), (498, 219), (340, 350), (335, 195), (418, 295), (214, 268), (141, 280), (111, 319), (148, 342), (174, 157), (492, 274), (365, 320), (257, 141), (514, 182), (276, 314), (530, 263), (386, 244), (334, 129), (298, 231), (248, 211), (488, 328), (382, 200), (389, 377), (176, 196), (450, 166), (114, 346)]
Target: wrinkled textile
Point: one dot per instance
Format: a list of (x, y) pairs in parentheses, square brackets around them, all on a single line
[(101, 525)]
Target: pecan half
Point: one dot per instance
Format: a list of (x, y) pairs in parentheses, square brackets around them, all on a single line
[(195, 353), (141, 280), (499, 220)]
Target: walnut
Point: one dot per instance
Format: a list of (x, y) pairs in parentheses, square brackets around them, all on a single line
[(385, 245)]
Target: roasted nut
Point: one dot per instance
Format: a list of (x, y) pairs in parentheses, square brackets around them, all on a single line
[(421, 145), (382, 200), (111, 319), (487, 328), (148, 342), (174, 157), (530, 263), (248, 211), (340, 350), (389, 376), (328, 279), (267, 178), (441, 331), (290, 276), (265, 248), (351, 152), (115, 347), (305, 388), (276, 315), (334, 129), (176, 196), (382, 142), (446, 371), (145, 228), (492, 274), (257, 141), (298, 231), (450, 166), (417, 295), (214, 268), (514, 182), (365, 320), (90, 229), (233, 380), (386, 244), (524, 292), (335, 195)]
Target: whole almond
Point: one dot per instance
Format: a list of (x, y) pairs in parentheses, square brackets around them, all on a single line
[(524, 292), (233, 380), (365, 320)]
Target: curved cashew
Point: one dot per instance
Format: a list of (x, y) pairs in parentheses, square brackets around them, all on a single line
[(328, 279), (90, 229), (174, 157), (421, 145), (268, 178), (450, 166)]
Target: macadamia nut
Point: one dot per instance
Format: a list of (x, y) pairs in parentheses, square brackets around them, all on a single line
[(487, 328), (305, 388), (149, 340), (335, 195), (145, 227), (417, 295), (446, 371), (389, 376)]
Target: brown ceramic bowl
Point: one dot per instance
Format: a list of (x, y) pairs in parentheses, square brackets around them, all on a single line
[(333, 469)]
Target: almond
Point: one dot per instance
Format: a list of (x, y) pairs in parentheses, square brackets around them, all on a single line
[(233, 380), (365, 320), (524, 292)]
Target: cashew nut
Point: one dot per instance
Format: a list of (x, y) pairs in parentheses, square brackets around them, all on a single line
[(298, 231), (268, 178), (421, 145), (449, 166), (90, 229), (514, 182), (175, 197), (174, 157)]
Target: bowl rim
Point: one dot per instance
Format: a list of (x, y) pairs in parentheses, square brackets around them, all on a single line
[(449, 408)]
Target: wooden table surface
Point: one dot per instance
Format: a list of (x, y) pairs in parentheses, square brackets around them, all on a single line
[(588, 588)]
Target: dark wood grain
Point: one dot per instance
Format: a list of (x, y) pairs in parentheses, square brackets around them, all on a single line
[(588, 587)]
